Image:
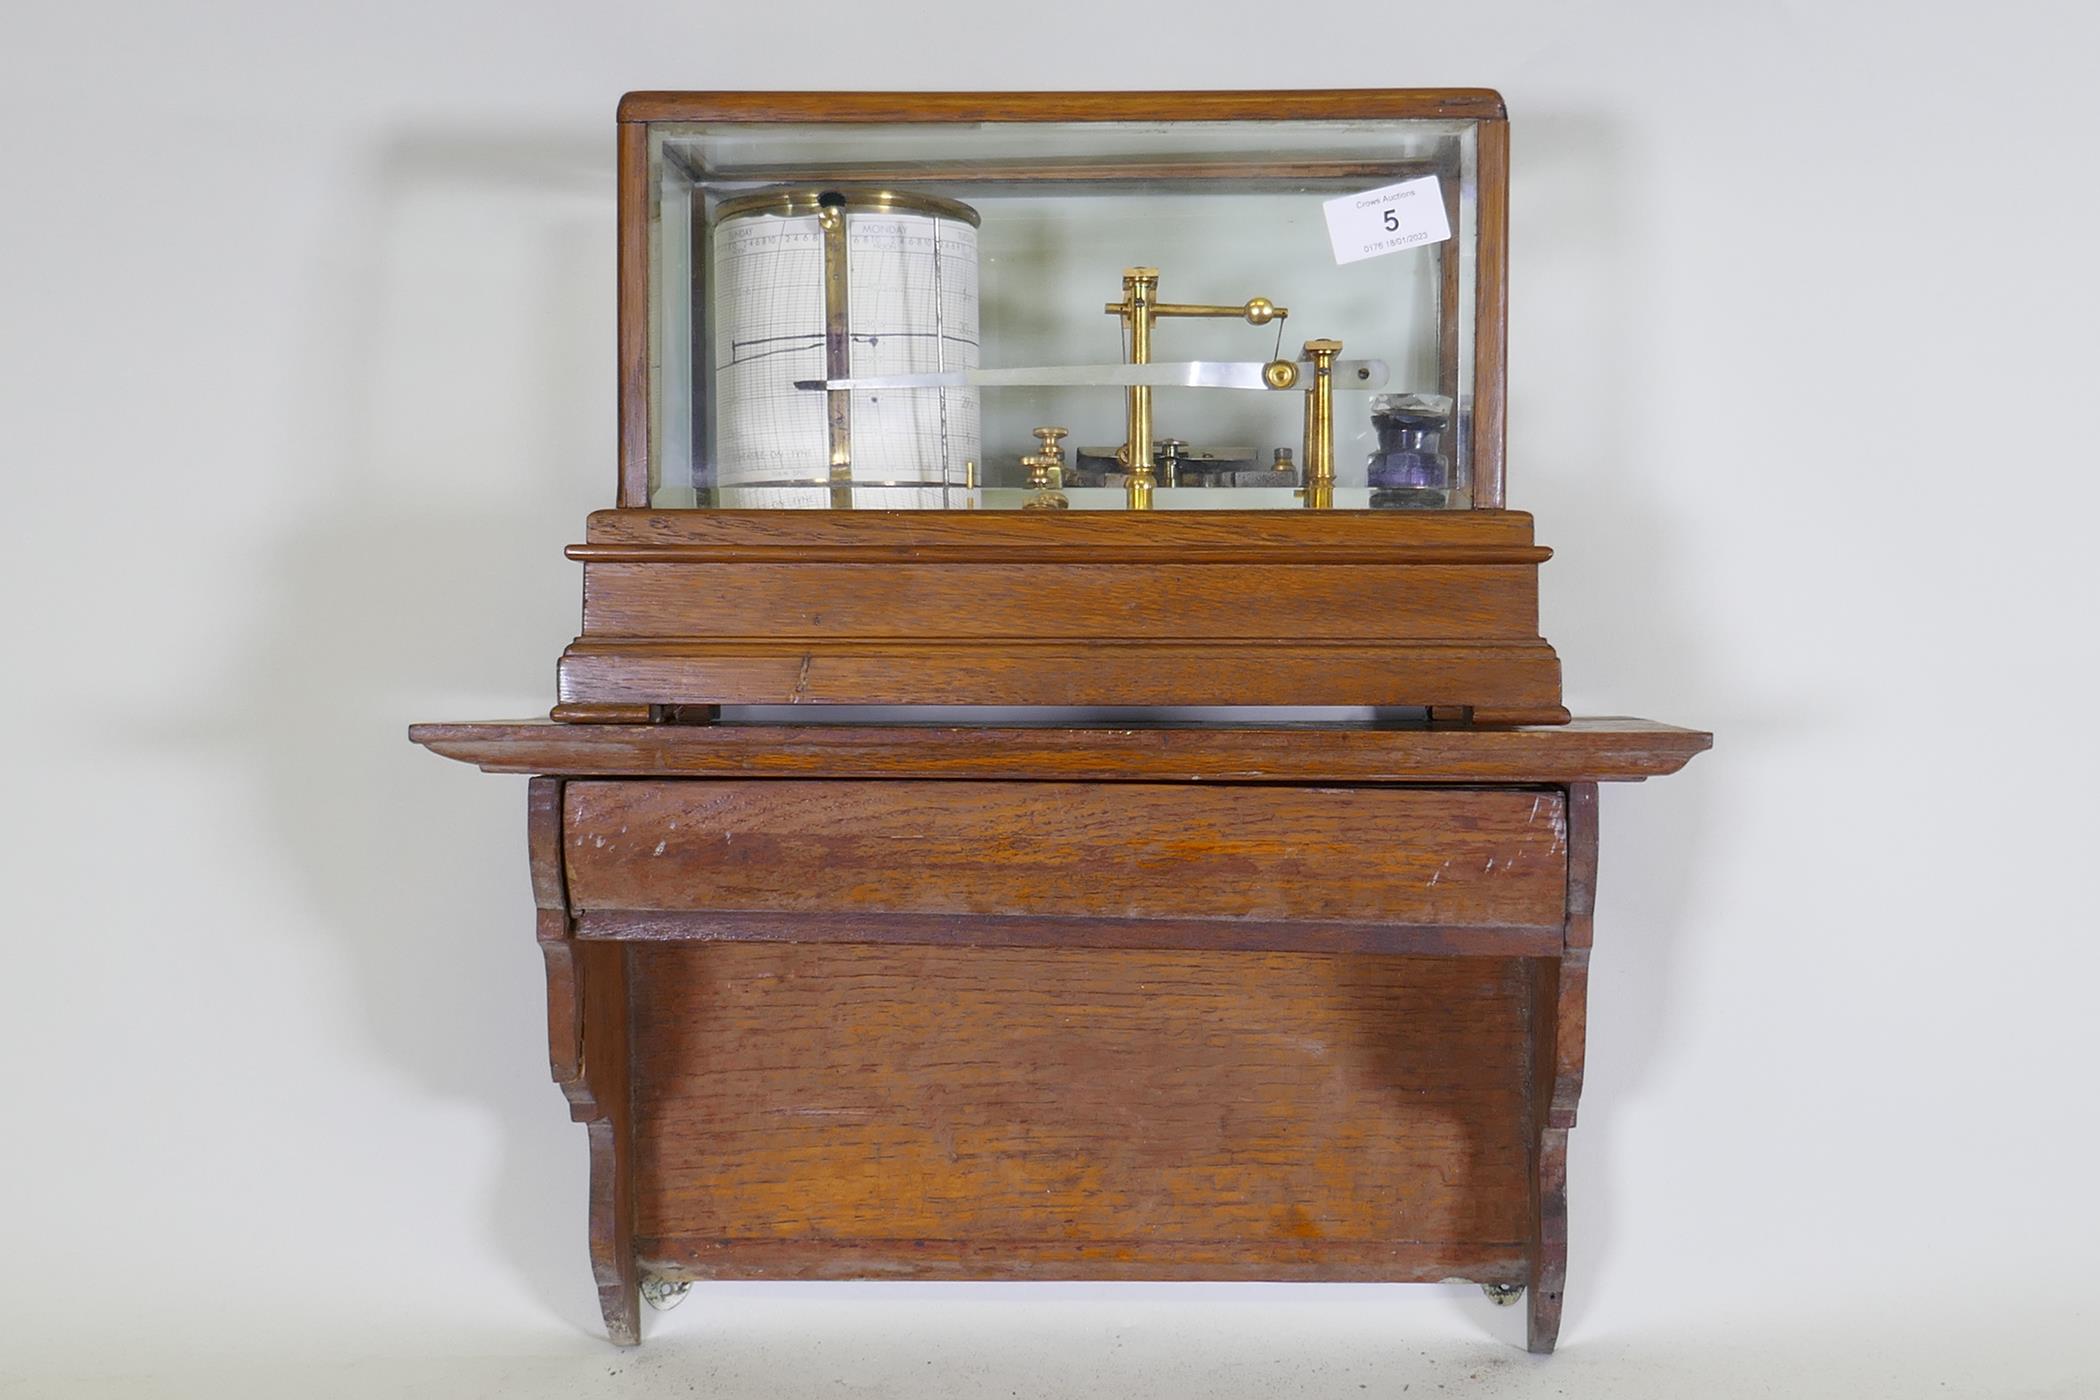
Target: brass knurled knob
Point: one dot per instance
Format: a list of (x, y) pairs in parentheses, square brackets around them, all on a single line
[(1046, 476)]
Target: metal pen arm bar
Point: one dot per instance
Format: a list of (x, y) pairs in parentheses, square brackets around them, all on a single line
[(1164, 374)]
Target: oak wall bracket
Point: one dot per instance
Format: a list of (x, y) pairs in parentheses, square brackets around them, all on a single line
[(797, 1057)]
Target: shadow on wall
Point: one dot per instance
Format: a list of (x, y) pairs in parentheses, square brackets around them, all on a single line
[(1580, 453), (460, 411), (462, 357)]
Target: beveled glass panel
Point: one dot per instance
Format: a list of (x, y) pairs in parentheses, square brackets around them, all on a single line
[(933, 258)]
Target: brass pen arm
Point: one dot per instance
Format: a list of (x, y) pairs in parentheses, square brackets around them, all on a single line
[(1256, 311)]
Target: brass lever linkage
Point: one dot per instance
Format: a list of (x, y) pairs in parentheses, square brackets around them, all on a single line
[(1139, 308)]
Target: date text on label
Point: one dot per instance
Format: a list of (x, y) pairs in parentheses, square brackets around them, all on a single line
[(1386, 220)]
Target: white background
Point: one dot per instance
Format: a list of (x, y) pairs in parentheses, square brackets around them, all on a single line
[(308, 335)]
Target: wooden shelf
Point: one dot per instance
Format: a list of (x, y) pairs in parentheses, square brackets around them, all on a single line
[(1585, 750)]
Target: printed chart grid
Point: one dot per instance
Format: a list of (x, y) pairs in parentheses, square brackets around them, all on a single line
[(911, 308)]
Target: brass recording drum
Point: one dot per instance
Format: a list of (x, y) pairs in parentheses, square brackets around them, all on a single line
[(823, 284)]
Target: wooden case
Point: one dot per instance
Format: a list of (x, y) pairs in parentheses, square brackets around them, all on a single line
[(1377, 608), (1272, 608)]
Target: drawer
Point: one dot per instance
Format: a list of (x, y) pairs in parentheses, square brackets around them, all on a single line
[(1135, 865)]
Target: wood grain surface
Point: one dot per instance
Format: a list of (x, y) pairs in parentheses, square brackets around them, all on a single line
[(924, 1112), (1558, 1036), (1591, 749), (1285, 104), (608, 1043), (555, 934), (1491, 321), (1364, 934), (1378, 608), (1279, 856), (1518, 681), (634, 206), (588, 1041), (993, 600)]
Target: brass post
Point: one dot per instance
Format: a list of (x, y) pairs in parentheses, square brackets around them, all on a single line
[(1139, 307), (1318, 490), (1140, 294), (838, 347)]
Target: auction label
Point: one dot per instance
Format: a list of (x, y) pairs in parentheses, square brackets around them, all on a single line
[(1407, 215)]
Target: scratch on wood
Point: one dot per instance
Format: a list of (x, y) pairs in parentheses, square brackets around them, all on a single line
[(802, 679), (1558, 816)]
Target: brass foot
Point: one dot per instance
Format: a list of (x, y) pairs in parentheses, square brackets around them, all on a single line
[(662, 1293)]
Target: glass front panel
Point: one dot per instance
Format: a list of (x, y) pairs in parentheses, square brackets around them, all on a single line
[(905, 316)]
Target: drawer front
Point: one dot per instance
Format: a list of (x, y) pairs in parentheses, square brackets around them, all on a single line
[(1380, 869)]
